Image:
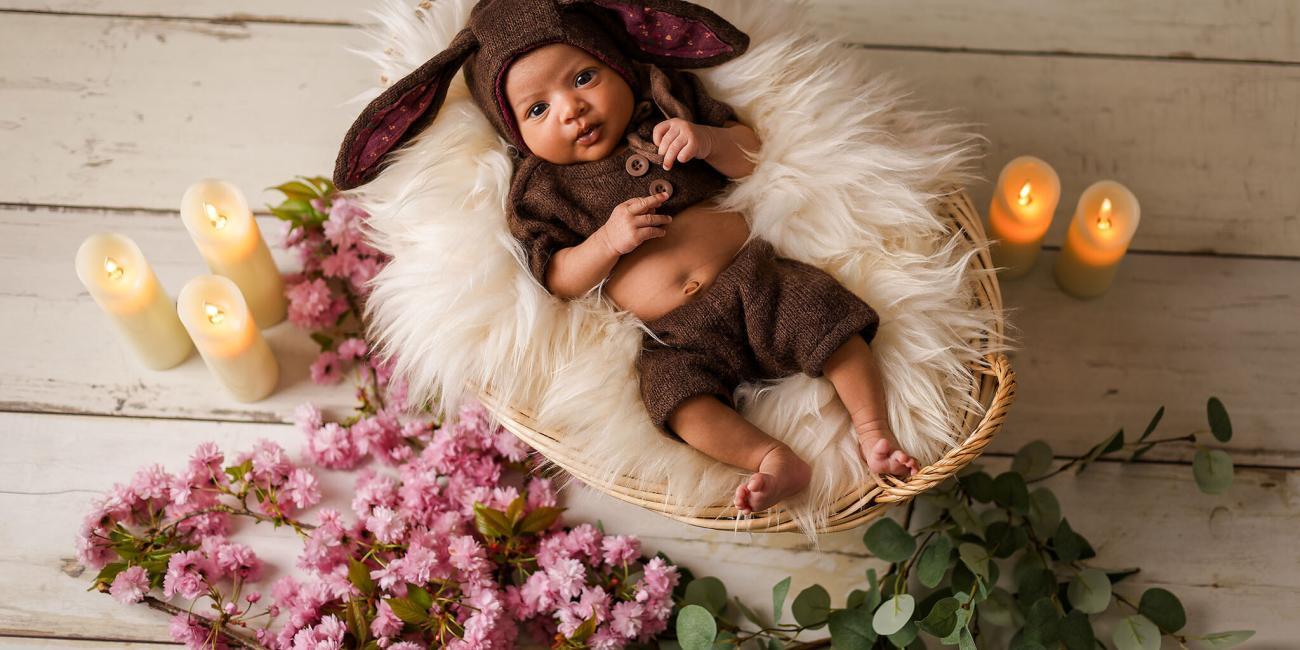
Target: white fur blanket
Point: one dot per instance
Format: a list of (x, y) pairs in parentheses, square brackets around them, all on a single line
[(846, 180)]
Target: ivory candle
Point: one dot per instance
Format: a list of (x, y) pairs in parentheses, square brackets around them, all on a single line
[(125, 287), (1099, 235), (226, 233), (227, 336), (1024, 200)]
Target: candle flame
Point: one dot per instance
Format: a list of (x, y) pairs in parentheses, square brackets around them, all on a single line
[(1103, 221), (113, 269), (1024, 199), (217, 219), (215, 314)]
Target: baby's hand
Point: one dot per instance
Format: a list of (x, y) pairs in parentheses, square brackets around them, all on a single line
[(680, 141), (633, 222)]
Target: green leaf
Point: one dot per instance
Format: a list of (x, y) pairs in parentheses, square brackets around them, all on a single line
[(585, 630), (904, 636), (976, 558), (1136, 633), (1044, 512), (1089, 591), (359, 576), (1035, 584), (1009, 491), (966, 640), (850, 630), (408, 611), (491, 523), (1033, 460), (934, 561), (1114, 442), (1076, 631), (1042, 624), (1220, 425), (1151, 426), (942, 618), (1213, 470), (997, 609), (325, 342), (1066, 543), (779, 591), (296, 190), (418, 595), (1163, 609), (696, 628), (966, 519), (893, 614), (978, 485), (516, 510), (109, 572), (708, 593), (1225, 639), (540, 519), (888, 541), (811, 606)]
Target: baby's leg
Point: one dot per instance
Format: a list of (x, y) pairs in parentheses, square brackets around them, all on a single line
[(853, 371), (716, 429)]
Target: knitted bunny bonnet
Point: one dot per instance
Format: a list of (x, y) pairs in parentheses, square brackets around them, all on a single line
[(669, 33)]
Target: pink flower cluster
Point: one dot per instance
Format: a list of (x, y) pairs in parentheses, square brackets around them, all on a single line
[(336, 261)]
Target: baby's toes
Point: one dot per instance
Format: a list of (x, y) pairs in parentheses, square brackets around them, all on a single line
[(742, 499)]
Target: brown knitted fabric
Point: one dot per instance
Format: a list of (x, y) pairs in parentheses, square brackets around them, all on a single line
[(557, 206), (668, 33), (764, 317)]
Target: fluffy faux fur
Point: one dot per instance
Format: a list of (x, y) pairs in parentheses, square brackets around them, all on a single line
[(846, 180)]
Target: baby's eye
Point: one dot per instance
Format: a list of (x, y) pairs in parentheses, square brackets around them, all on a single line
[(588, 74), (533, 112)]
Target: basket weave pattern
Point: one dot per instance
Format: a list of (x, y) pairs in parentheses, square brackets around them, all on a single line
[(996, 388)]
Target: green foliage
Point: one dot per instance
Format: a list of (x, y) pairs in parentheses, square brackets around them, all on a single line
[(945, 580)]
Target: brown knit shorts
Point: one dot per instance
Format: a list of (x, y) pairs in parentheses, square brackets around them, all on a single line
[(764, 317)]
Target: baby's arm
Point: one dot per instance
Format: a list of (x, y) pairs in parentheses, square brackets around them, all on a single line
[(573, 271), (726, 155)]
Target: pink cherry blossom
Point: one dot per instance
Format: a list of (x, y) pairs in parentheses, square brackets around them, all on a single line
[(130, 585)]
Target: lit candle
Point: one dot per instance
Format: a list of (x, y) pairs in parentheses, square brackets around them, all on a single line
[(226, 233), (1098, 237), (219, 321), (1023, 203), (122, 282)]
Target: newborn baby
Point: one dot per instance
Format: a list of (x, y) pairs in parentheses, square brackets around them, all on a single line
[(620, 162)]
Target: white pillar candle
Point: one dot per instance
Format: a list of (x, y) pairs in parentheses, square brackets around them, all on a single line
[(225, 333), (122, 282), (1021, 211), (1099, 235), (226, 233)]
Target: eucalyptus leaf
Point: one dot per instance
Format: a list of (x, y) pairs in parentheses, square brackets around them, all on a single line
[(1162, 608), (1042, 623), (965, 640), (707, 592), (963, 616), (904, 636), (1225, 639), (1213, 470), (1076, 631), (779, 591), (811, 606), (1090, 591), (1151, 426), (893, 614), (1044, 512), (696, 628), (942, 618), (976, 558), (978, 485), (1033, 460), (1112, 443), (851, 630), (998, 609), (1066, 543), (1009, 491), (1136, 633), (934, 561), (888, 541), (1220, 425), (1034, 585)]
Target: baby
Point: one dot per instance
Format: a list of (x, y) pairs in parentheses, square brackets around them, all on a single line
[(620, 161)]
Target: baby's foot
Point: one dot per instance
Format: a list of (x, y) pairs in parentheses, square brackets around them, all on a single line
[(780, 474), (881, 457)]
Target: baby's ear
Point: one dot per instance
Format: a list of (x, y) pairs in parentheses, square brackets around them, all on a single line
[(670, 33), (400, 112)]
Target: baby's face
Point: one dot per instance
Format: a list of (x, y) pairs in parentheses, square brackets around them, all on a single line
[(558, 94)]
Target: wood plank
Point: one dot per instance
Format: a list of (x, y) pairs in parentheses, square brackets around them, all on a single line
[(97, 118), (33, 643), (1261, 30), (56, 464), (1085, 367)]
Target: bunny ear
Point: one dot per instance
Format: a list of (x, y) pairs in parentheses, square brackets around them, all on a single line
[(399, 113), (671, 33)]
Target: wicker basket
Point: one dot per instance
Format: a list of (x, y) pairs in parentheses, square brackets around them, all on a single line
[(996, 389)]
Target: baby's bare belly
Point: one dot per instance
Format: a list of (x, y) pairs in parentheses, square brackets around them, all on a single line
[(667, 272)]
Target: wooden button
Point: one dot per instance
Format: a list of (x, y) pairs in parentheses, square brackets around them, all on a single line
[(662, 185), (637, 165)]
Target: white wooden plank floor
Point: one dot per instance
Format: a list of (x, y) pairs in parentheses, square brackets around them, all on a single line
[(110, 108)]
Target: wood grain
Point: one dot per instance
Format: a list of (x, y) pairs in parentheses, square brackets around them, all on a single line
[(111, 115)]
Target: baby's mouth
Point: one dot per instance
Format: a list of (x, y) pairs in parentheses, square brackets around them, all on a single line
[(590, 136)]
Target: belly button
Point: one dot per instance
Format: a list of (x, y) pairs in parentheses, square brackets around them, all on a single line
[(692, 287)]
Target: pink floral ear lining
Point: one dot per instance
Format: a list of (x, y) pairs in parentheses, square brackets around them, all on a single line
[(664, 34), (387, 127)]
